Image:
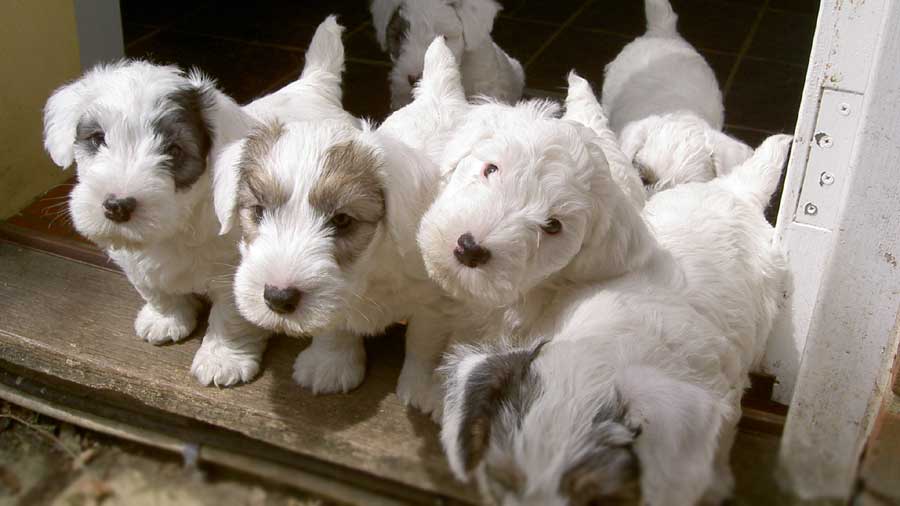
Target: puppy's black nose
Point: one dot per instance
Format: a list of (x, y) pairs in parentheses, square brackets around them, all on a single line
[(469, 253), (119, 210), (281, 300)]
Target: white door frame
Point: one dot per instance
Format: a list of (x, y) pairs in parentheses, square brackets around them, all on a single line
[(839, 221)]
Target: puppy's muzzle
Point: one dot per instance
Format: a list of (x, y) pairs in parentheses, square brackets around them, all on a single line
[(281, 300), (118, 210), (470, 253)]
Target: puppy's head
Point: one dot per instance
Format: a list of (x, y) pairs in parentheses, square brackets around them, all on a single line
[(524, 194), (530, 436), (310, 201), (406, 29), (679, 148), (140, 135)]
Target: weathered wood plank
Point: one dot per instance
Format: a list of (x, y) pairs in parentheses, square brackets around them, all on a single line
[(75, 322)]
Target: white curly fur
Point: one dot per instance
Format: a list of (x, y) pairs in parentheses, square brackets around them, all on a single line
[(664, 102), (654, 360), (170, 248), (295, 246), (466, 24)]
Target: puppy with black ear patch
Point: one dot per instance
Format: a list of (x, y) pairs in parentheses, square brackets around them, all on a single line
[(328, 215), (671, 128), (634, 397), (405, 29), (143, 137)]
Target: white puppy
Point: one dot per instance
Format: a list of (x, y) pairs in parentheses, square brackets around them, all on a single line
[(405, 28), (143, 136), (529, 207), (634, 396), (663, 100), (328, 214)]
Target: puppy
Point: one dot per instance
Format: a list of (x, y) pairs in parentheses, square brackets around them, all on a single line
[(143, 136), (634, 397), (670, 128), (405, 28), (328, 215), (528, 208)]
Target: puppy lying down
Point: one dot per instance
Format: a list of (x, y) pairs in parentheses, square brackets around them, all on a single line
[(664, 102), (328, 214), (629, 390), (143, 137)]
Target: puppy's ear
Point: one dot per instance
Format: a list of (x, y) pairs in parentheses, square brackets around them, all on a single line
[(680, 421), (634, 135), (727, 152), (477, 18), (226, 168), (61, 114), (480, 387)]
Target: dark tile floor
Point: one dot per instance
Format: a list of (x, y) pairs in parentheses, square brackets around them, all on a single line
[(758, 49)]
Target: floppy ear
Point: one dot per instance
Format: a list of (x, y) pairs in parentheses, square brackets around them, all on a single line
[(634, 136), (727, 152), (477, 18), (61, 114), (226, 169), (479, 386), (680, 421)]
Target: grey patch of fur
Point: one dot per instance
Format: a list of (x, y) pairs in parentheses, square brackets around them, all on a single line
[(84, 131), (397, 29), (609, 472), (257, 187), (186, 135), (502, 381)]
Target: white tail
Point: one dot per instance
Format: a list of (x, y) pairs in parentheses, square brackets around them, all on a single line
[(326, 50), (758, 177), (661, 19), (440, 75)]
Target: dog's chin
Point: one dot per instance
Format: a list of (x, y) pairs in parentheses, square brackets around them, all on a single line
[(307, 319), (474, 285)]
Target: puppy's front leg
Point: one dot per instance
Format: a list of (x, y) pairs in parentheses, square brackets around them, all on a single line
[(232, 347), (166, 317), (426, 339), (332, 363)]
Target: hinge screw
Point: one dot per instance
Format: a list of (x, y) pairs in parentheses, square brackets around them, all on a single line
[(811, 209), (826, 179)]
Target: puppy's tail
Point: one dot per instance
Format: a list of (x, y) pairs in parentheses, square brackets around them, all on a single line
[(758, 177), (440, 74), (326, 50), (661, 18)]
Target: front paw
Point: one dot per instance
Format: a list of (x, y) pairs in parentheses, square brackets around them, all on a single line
[(160, 328), (331, 369), (219, 365), (417, 387)]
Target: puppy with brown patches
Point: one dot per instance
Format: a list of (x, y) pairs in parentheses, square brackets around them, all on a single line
[(144, 137), (328, 216), (633, 394)]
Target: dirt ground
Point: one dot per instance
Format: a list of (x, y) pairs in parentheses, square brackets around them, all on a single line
[(45, 461)]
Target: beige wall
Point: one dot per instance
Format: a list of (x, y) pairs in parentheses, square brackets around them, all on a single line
[(38, 52)]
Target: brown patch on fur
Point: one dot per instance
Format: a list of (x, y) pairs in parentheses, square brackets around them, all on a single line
[(350, 184), (503, 380), (257, 187)]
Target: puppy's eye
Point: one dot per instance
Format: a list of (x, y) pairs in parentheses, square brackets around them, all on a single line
[(341, 221), (97, 139), (174, 151), (258, 213), (489, 169), (552, 227)]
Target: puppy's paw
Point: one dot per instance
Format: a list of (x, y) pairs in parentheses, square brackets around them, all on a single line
[(329, 370), (160, 328), (219, 365), (417, 387)]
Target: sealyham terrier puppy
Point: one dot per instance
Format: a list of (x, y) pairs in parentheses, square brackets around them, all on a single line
[(669, 127), (143, 137), (405, 28), (328, 215), (528, 207), (633, 396)]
